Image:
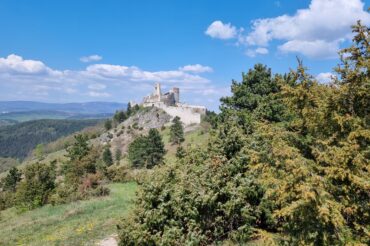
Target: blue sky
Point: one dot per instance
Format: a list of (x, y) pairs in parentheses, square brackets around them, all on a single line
[(75, 51)]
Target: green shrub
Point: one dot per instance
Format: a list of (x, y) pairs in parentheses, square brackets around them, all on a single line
[(36, 187)]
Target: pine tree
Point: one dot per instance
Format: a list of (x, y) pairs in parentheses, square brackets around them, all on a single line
[(79, 149), (137, 152), (155, 148), (107, 157), (147, 151), (129, 110), (11, 179), (176, 131)]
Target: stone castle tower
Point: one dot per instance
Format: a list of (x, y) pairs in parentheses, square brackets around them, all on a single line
[(170, 102)]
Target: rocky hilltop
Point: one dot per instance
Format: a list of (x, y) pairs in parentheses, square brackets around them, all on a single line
[(120, 136)]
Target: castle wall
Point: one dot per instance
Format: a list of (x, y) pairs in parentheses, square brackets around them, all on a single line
[(187, 113)]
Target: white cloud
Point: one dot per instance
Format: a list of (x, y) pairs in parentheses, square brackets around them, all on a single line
[(91, 58), (313, 49), (97, 87), (254, 52), (222, 31), (33, 80), (14, 64), (98, 94), (325, 78), (317, 31), (196, 68)]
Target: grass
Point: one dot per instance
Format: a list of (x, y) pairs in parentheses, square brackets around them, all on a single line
[(77, 223), (198, 137)]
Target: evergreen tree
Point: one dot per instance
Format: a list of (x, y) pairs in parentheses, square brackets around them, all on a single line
[(11, 179), (118, 155), (176, 131), (137, 152), (155, 148), (119, 117), (108, 124), (147, 151), (180, 152), (79, 148), (129, 110), (107, 157)]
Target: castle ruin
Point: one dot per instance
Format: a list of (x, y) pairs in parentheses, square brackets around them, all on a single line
[(170, 103)]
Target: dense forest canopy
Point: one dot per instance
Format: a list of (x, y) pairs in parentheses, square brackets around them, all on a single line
[(19, 139)]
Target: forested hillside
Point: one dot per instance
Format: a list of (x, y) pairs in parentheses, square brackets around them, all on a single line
[(18, 140)]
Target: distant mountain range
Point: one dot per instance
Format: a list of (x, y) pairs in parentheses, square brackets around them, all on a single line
[(29, 110), (81, 108)]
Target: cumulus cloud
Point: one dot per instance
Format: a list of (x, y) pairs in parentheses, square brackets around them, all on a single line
[(196, 68), (14, 64), (91, 58), (34, 80), (254, 52), (325, 78), (222, 31), (316, 32)]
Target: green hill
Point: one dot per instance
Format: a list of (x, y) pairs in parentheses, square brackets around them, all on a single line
[(18, 140)]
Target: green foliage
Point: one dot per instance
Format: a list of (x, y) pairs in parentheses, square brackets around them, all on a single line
[(176, 131), (39, 151), (288, 157), (11, 180), (118, 155), (129, 109), (36, 187), (211, 117), (79, 149), (83, 172), (180, 152), (147, 151), (108, 124), (119, 117), (107, 157), (19, 140)]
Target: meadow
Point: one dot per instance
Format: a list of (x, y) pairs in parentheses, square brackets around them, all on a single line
[(78, 223)]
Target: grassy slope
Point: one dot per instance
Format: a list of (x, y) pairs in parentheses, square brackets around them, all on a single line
[(78, 223), (81, 222), (196, 137)]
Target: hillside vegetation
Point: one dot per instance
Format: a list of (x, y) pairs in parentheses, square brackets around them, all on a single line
[(77, 223), (287, 164), (18, 140)]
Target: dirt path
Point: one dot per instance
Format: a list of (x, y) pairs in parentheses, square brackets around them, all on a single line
[(109, 241)]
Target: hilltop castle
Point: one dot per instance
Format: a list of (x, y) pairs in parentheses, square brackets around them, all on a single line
[(170, 103)]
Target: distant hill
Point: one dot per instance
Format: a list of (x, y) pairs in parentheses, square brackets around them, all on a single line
[(18, 140), (14, 117), (80, 108), (21, 111)]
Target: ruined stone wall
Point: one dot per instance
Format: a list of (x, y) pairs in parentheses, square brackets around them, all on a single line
[(187, 113)]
